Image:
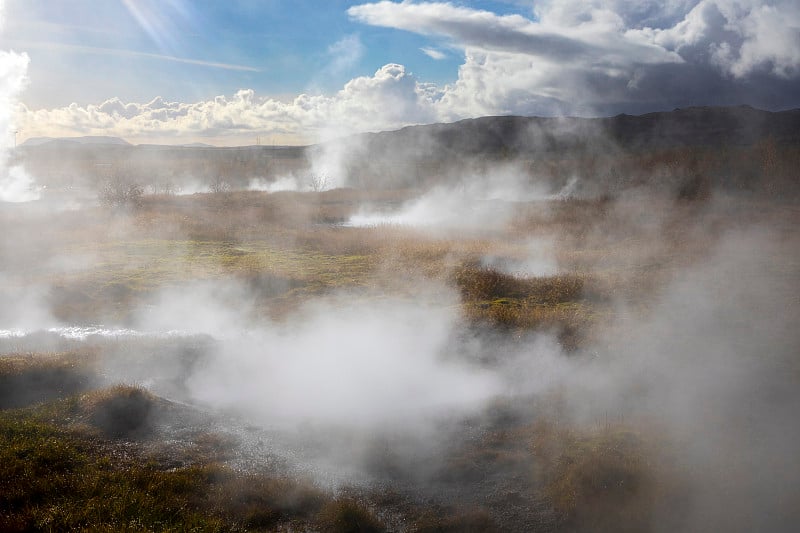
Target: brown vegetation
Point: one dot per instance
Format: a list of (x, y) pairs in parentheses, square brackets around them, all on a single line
[(599, 480), (346, 515)]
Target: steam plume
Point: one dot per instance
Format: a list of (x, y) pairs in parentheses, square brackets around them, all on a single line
[(15, 184)]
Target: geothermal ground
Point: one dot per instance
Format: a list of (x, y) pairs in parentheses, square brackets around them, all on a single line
[(491, 359)]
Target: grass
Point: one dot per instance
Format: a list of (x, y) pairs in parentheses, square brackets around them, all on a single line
[(53, 480), (71, 461), (75, 462), (56, 475), (127, 274), (27, 379), (284, 250), (259, 502)]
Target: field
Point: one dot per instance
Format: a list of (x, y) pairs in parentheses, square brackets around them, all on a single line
[(243, 360)]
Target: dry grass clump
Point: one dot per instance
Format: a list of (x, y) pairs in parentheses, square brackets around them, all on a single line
[(571, 323), (119, 411), (258, 501), (470, 520), (501, 450), (347, 515), (597, 480), (476, 283), (210, 447), (561, 304)]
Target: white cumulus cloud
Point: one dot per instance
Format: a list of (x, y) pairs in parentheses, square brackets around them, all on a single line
[(390, 98)]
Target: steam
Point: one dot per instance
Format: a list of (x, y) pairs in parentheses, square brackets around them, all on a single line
[(440, 208), (478, 201), (331, 161), (536, 258), (193, 187), (715, 363), (29, 311), (330, 362), (15, 184), (282, 183)]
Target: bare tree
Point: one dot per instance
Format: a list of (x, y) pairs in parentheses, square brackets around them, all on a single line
[(119, 190), (318, 182), (219, 185)]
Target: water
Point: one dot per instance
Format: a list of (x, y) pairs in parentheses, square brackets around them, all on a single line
[(82, 333)]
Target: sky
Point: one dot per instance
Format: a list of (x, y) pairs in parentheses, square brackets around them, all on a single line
[(238, 72)]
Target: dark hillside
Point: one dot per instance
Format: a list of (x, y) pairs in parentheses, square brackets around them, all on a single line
[(530, 136), (730, 147)]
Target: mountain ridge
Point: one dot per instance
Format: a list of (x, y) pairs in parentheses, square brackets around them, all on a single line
[(85, 139), (532, 136)]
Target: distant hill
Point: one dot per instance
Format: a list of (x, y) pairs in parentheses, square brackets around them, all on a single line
[(198, 145), (168, 146), (88, 139), (514, 136), (607, 154)]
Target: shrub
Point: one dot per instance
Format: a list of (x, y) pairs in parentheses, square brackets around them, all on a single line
[(219, 185), (318, 182), (119, 193)]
